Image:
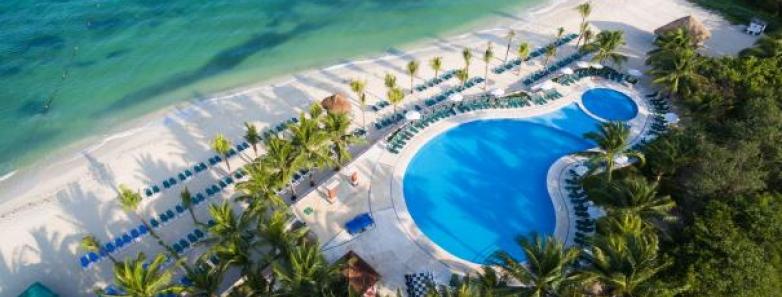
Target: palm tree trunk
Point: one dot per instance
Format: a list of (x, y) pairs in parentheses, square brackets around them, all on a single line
[(486, 74), (227, 164), (507, 52), (411, 83), (312, 180), (435, 73), (193, 216), (293, 189), (157, 238), (255, 149), (364, 118)]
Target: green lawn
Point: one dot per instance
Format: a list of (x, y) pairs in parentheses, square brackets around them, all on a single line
[(739, 11)]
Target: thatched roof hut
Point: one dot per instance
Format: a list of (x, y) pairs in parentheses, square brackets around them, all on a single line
[(336, 103), (361, 277), (698, 31)]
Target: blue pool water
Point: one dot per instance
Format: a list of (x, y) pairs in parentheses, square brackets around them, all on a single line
[(609, 104), (476, 187)]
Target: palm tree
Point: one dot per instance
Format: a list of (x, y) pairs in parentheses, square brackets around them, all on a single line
[(206, 279), (412, 69), (606, 45), (680, 76), (584, 9), (613, 140), (187, 202), (467, 56), (283, 161), (389, 80), (487, 56), (462, 75), (551, 51), (358, 87), (305, 272), (560, 32), (273, 231), (768, 46), (130, 201), (311, 143), (232, 236), (636, 196), (508, 37), (581, 30), (523, 53), (91, 244), (252, 137), (546, 270), (395, 96), (436, 63), (137, 278), (624, 263), (259, 191), (222, 146), (337, 127), (588, 35)]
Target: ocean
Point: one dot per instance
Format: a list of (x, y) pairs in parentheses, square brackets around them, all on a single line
[(71, 69)]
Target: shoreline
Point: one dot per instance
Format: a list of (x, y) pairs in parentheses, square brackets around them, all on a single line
[(75, 149)]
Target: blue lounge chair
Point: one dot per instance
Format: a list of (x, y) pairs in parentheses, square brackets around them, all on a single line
[(126, 239), (155, 189), (359, 224), (170, 214), (193, 239), (109, 247), (198, 233), (134, 233), (142, 230), (179, 209), (148, 192), (93, 257), (85, 262), (182, 176), (166, 184), (118, 242), (154, 223), (172, 181)]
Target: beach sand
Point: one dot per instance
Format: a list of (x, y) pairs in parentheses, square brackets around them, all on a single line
[(47, 208)]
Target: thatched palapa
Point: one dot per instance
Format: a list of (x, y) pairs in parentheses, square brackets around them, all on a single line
[(336, 103), (698, 31), (361, 277)]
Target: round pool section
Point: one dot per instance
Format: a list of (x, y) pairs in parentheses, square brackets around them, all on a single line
[(478, 186), (609, 104)]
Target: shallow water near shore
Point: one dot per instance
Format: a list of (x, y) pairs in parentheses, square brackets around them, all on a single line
[(70, 69)]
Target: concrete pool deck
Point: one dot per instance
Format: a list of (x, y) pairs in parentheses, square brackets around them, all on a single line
[(395, 245)]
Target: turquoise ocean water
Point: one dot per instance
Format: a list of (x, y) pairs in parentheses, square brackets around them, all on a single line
[(98, 63)]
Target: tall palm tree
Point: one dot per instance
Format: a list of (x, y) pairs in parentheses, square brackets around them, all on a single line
[(624, 264), (680, 76), (130, 201), (389, 80), (511, 34), (523, 53), (613, 140), (283, 161), (768, 46), (412, 69), (137, 278), (305, 272), (358, 87), (222, 146), (551, 51), (588, 36), (581, 30), (467, 56), (337, 127), (187, 202), (252, 137), (395, 96), (273, 231), (232, 238), (606, 46), (546, 270), (206, 279), (437, 64), (259, 190), (91, 244), (636, 196), (487, 56), (311, 143), (462, 75), (560, 32), (584, 9)]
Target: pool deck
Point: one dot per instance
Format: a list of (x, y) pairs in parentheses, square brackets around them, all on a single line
[(395, 245)]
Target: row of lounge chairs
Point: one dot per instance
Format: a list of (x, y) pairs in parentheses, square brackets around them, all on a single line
[(553, 68), (534, 54), (399, 139), (397, 117), (606, 72), (585, 225), (435, 81), (164, 218), (186, 174), (380, 105)]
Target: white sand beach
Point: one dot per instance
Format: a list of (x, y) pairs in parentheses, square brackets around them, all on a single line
[(46, 209)]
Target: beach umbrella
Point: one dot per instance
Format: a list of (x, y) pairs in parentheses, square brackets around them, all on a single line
[(671, 118), (597, 66), (548, 85), (635, 72), (567, 71), (456, 97), (497, 92), (413, 115), (582, 64), (581, 170)]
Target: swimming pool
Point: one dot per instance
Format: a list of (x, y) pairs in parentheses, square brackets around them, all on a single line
[(478, 186), (609, 104)]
